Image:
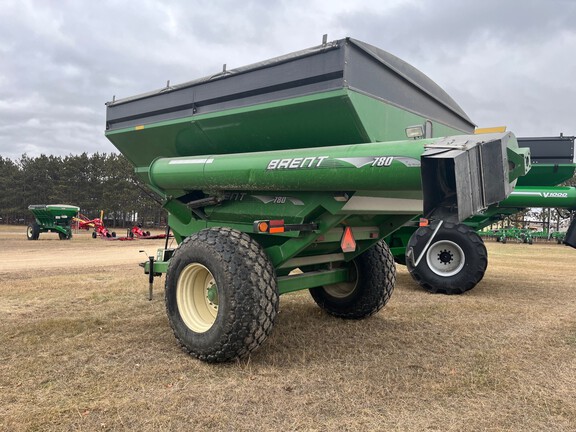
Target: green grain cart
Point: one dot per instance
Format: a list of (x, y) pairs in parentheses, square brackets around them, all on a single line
[(55, 218), (287, 175)]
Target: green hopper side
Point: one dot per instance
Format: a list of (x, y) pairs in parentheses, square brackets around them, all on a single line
[(55, 218), (342, 92)]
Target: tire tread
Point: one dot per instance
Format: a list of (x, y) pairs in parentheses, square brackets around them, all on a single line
[(254, 294)]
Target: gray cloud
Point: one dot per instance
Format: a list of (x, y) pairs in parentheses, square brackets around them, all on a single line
[(504, 62)]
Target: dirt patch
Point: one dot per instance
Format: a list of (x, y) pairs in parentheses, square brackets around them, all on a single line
[(48, 253)]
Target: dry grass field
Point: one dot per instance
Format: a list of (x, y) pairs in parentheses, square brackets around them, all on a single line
[(82, 349)]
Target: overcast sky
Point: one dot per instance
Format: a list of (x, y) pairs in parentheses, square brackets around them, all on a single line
[(505, 62)]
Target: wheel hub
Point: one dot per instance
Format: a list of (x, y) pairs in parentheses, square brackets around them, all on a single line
[(197, 297), (212, 293), (343, 290), (445, 258)]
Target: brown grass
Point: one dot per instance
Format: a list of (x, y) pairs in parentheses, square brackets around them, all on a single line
[(81, 348)]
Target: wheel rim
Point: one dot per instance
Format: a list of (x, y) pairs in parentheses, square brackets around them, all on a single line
[(445, 258), (197, 297), (30, 232), (342, 290)]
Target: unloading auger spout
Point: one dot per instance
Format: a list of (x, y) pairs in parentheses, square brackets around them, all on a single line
[(445, 178)]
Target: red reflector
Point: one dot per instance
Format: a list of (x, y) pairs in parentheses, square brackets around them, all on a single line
[(277, 223), (348, 244), (424, 222)]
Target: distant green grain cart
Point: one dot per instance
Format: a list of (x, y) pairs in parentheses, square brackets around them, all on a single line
[(52, 218)]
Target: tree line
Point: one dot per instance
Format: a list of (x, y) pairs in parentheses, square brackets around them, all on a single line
[(95, 183)]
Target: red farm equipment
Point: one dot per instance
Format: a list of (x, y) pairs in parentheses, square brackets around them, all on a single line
[(97, 224), (138, 232)]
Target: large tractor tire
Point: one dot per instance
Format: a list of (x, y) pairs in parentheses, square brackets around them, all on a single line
[(33, 231), (221, 295), (452, 262), (372, 280)]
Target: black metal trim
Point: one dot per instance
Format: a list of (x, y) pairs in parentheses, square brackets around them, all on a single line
[(240, 95)]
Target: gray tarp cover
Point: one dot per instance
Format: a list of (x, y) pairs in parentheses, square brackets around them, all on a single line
[(343, 63)]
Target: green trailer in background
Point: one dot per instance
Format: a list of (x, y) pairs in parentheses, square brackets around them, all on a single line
[(55, 218), (287, 175)]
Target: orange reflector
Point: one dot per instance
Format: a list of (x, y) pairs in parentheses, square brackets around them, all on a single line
[(348, 244), (269, 226), (424, 222)]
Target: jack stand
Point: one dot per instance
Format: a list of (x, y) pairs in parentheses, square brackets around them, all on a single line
[(151, 277)]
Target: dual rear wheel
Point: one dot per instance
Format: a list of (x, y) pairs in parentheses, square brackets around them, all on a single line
[(222, 294), (372, 280)]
